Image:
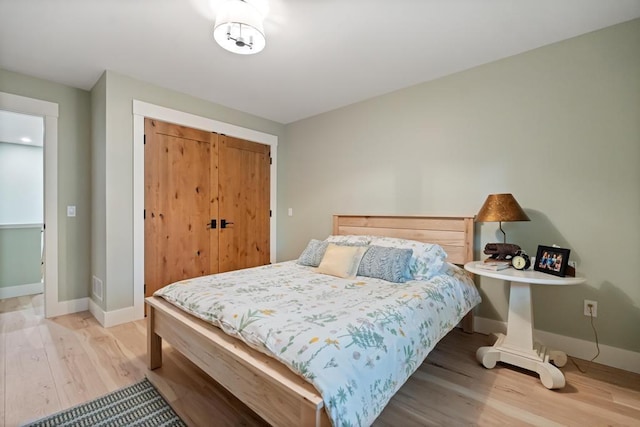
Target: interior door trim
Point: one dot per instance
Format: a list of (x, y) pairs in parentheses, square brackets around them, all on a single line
[(142, 110), (49, 112)]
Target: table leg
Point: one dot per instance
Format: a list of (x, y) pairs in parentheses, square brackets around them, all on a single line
[(518, 348)]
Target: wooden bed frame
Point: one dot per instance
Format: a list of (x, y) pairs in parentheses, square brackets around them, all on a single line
[(272, 390)]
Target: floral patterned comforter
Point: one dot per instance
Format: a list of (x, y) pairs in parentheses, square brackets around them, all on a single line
[(357, 341)]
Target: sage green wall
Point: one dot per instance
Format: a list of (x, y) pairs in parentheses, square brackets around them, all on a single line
[(74, 158), (98, 185), (559, 127), (118, 162), (19, 256)]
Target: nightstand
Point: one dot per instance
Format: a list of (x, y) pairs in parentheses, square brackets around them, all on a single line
[(517, 347)]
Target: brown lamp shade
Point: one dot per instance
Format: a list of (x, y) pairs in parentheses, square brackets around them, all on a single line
[(501, 207)]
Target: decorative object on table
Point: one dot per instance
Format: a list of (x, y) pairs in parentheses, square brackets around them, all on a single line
[(500, 251), (137, 405), (552, 260), (521, 261), (493, 266), (499, 208)]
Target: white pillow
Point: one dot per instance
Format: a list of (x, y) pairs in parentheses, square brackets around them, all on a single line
[(341, 261), (349, 240), (427, 259)]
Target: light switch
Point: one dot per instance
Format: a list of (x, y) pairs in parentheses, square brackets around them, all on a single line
[(290, 211), (71, 211)]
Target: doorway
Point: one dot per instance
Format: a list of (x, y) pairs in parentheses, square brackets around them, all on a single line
[(49, 113), (22, 207)]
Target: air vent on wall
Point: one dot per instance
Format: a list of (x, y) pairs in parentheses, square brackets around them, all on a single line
[(97, 288)]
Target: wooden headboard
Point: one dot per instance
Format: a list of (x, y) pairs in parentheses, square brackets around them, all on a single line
[(453, 233)]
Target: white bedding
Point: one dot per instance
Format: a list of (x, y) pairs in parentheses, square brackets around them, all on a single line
[(357, 341)]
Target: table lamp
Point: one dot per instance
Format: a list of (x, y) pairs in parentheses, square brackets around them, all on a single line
[(499, 208)]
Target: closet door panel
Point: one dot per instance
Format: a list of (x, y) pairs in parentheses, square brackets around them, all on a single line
[(178, 204), (244, 201)]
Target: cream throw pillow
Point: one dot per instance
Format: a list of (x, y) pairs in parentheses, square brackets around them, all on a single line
[(341, 261)]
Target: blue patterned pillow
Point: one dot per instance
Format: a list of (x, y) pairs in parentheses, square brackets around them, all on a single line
[(313, 253), (390, 264)]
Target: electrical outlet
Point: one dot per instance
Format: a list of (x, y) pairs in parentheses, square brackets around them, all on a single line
[(594, 308)]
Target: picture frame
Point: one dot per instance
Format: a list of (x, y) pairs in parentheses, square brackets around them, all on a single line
[(552, 260)]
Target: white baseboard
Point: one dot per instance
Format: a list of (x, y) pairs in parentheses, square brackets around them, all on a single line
[(96, 311), (67, 307), (21, 290), (60, 308), (113, 318), (582, 349)]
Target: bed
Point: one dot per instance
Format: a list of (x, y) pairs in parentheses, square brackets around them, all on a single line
[(266, 385)]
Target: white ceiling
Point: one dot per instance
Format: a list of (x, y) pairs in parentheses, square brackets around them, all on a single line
[(320, 54)]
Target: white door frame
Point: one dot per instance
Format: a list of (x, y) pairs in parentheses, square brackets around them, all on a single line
[(142, 110), (49, 112)]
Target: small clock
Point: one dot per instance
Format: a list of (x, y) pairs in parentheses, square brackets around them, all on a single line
[(521, 261)]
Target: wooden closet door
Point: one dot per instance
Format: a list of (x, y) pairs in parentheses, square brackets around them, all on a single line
[(180, 202), (244, 197)]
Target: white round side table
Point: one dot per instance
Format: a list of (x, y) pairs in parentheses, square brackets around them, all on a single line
[(517, 347)]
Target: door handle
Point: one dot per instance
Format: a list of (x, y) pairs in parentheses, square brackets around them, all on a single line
[(212, 224), (224, 223)]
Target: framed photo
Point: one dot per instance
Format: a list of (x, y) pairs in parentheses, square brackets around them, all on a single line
[(552, 260)]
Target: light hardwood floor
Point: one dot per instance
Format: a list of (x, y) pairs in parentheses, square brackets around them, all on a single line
[(50, 365)]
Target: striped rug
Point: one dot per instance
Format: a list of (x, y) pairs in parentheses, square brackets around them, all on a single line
[(136, 405)]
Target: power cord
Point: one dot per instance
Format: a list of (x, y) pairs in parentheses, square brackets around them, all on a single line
[(595, 333)]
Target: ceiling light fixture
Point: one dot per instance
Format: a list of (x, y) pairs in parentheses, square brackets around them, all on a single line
[(238, 27)]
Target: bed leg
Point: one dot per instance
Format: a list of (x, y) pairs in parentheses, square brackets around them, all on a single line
[(313, 417), (467, 323), (154, 341)]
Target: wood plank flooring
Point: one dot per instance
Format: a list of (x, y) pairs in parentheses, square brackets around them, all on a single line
[(47, 365)]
